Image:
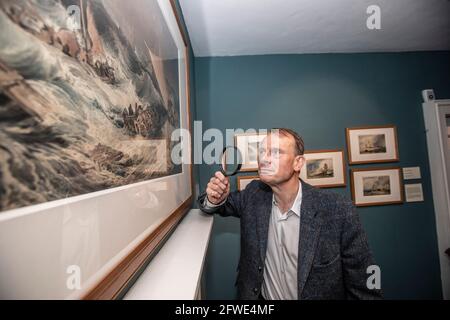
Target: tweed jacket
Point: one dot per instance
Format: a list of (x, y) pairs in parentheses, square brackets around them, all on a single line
[(333, 252)]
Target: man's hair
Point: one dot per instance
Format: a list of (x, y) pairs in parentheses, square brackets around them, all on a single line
[(299, 144)]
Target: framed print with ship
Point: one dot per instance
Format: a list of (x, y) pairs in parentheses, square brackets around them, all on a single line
[(376, 186), (90, 94), (324, 168), (372, 144), (248, 145)]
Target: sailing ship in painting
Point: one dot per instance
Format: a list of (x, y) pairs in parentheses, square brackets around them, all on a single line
[(84, 105)]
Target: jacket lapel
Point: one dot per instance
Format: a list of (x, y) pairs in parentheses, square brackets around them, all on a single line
[(310, 224), (263, 220)]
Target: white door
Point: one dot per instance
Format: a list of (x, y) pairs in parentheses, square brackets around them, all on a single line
[(437, 124)]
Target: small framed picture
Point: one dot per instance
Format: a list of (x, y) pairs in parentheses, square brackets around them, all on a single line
[(244, 181), (248, 145), (324, 168), (376, 186), (372, 144)]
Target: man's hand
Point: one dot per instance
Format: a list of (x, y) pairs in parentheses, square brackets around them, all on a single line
[(218, 188)]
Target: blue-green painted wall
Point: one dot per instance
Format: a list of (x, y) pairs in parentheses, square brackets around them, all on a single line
[(319, 96)]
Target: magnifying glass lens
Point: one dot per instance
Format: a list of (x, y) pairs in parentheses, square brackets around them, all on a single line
[(231, 161)]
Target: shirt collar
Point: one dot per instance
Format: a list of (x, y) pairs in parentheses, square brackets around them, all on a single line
[(297, 202)]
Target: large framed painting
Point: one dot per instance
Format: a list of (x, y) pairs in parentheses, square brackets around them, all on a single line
[(324, 168), (372, 144), (377, 186), (91, 94)]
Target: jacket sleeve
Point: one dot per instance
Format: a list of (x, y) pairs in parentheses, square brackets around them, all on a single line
[(232, 206), (356, 257)]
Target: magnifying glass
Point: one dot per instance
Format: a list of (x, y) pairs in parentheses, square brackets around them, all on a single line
[(231, 161)]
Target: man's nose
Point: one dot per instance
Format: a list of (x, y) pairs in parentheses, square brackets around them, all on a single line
[(264, 158)]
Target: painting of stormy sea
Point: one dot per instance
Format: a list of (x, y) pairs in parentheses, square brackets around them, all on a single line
[(89, 97)]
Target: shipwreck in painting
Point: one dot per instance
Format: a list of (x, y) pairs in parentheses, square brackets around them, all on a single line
[(89, 97)]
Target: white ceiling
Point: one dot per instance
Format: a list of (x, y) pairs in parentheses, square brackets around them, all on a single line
[(251, 27)]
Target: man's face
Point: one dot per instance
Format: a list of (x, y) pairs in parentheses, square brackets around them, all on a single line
[(277, 159)]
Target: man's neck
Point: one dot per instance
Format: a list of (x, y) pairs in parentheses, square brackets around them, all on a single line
[(285, 193)]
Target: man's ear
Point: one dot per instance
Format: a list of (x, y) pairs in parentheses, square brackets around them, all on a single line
[(299, 163)]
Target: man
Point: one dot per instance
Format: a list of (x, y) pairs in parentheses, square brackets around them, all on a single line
[(297, 242)]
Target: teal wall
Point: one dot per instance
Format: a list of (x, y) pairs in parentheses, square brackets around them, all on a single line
[(319, 96)]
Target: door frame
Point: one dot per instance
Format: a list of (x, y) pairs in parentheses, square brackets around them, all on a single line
[(438, 152)]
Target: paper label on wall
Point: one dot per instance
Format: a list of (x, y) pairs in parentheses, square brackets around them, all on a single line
[(411, 173), (414, 192)]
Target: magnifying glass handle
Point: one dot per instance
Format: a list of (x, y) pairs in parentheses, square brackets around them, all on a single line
[(225, 173)]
